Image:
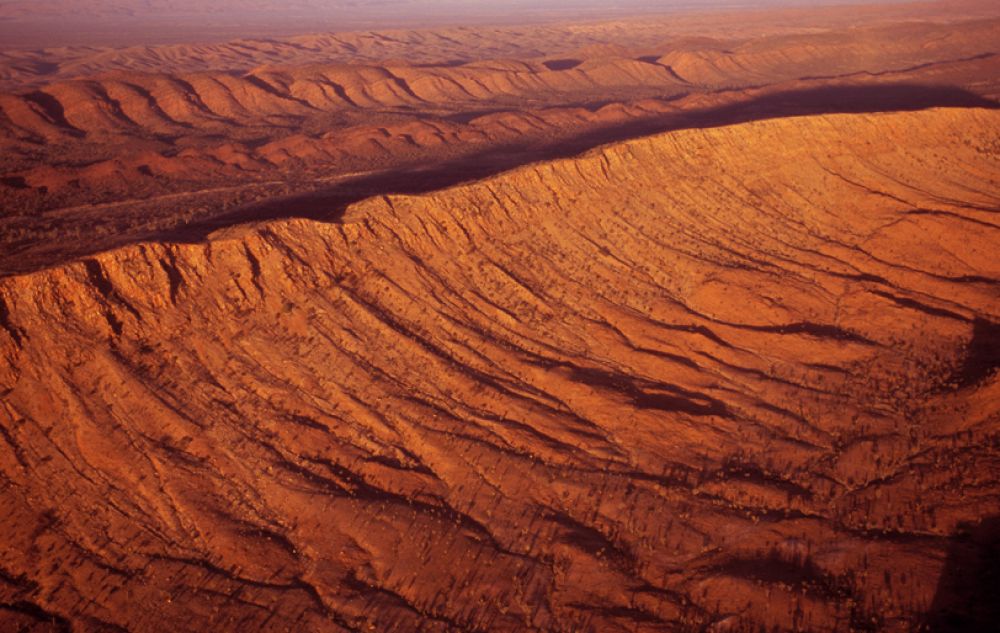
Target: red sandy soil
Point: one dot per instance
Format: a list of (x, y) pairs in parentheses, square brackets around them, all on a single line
[(698, 337)]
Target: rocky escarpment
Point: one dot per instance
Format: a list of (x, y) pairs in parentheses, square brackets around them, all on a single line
[(127, 146), (727, 378)]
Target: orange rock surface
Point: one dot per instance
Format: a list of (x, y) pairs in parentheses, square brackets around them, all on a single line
[(712, 378), (640, 325), (126, 146)]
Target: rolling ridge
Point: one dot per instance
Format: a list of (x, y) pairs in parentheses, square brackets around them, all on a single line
[(158, 102), (33, 66), (122, 155), (712, 379)]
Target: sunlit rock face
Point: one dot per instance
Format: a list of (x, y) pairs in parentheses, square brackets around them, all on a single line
[(102, 146), (354, 316), (731, 378)]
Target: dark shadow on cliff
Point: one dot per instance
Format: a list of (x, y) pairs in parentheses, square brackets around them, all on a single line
[(983, 353), (329, 204), (968, 593)]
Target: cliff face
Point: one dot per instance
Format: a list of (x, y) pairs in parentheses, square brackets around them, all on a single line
[(732, 377), (118, 145)]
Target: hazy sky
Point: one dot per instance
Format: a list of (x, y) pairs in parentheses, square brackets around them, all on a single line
[(31, 23), (402, 8)]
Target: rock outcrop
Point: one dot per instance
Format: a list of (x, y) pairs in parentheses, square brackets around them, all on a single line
[(124, 148), (716, 379)]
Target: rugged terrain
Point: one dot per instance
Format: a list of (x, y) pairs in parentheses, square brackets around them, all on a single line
[(130, 144), (711, 378), (685, 324)]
